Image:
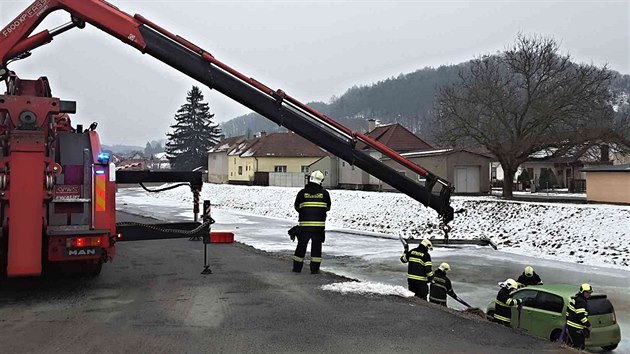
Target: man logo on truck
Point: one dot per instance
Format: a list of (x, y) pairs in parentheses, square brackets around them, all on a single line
[(82, 252)]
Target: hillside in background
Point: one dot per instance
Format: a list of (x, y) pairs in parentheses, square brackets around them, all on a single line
[(406, 99)]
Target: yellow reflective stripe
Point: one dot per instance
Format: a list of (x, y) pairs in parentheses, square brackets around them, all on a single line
[(416, 277), (298, 259), (404, 257), (575, 325), (571, 308), (313, 205), (430, 274), (417, 260), (584, 320), (510, 301), (316, 259), (99, 192), (428, 263), (499, 317), (440, 285), (312, 223), (580, 311), (436, 299), (439, 279)]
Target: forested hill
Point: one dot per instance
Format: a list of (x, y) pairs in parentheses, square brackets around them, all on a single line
[(406, 99)]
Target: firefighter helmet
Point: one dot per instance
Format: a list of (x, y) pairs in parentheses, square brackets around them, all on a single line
[(316, 177), (529, 271), (586, 287), (445, 267), (426, 243), (510, 284)]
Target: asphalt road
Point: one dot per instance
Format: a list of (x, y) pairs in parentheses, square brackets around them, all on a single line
[(154, 299)]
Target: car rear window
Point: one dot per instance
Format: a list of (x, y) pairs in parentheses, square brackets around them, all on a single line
[(599, 305)]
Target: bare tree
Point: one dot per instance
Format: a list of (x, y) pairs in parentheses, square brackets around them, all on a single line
[(525, 99)]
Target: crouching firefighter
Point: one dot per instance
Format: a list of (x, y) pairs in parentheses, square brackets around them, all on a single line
[(312, 203), (441, 286), (578, 325), (420, 271), (505, 302)]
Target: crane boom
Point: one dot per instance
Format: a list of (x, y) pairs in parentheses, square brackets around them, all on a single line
[(195, 62)]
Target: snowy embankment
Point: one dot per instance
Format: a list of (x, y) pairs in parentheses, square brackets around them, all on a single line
[(598, 235)]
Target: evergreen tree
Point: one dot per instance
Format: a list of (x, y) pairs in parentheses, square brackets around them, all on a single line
[(193, 134)]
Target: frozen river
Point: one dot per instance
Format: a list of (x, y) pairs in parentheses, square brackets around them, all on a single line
[(475, 270)]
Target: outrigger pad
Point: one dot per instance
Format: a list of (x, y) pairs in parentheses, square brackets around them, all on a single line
[(143, 232)]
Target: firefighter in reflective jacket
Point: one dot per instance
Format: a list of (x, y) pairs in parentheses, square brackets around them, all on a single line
[(420, 271), (578, 325), (505, 302), (528, 277), (312, 203), (441, 286)]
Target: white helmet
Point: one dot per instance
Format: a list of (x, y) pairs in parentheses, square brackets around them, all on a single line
[(426, 243), (510, 284), (316, 177), (529, 271), (445, 267)]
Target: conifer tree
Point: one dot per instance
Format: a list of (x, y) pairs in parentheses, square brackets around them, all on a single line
[(193, 133)]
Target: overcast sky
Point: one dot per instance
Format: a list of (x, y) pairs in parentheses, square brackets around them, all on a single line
[(310, 49)]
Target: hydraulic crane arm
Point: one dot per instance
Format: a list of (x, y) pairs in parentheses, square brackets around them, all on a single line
[(16, 41)]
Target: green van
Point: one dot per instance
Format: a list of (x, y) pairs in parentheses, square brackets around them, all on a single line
[(544, 308)]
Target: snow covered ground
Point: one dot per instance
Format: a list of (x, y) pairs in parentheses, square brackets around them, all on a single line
[(593, 234)]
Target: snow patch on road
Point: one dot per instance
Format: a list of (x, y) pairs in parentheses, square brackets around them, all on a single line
[(364, 288)]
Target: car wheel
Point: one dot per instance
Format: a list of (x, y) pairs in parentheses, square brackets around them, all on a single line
[(610, 347), (555, 335)]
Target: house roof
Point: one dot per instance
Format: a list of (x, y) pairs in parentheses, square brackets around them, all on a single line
[(609, 168), (397, 138), (226, 144), (280, 145)]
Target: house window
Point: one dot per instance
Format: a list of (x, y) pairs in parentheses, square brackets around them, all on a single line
[(235, 160), (343, 164), (304, 169), (240, 170), (280, 168)]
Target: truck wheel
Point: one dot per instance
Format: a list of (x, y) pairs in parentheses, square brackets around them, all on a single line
[(610, 347)]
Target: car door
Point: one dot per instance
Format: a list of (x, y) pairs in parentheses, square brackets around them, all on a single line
[(522, 319), (544, 315)]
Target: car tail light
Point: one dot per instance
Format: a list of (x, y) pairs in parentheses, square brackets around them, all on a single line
[(83, 241), (614, 317)]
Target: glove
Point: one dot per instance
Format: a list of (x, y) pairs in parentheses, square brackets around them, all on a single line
[(293, 232)]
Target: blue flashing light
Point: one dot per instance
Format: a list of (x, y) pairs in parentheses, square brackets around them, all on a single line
[(99, 172), (103, 157)]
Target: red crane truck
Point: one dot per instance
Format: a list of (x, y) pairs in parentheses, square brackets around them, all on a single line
[(58, 196)]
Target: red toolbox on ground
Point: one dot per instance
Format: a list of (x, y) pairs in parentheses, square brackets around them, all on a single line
[(221, 237)]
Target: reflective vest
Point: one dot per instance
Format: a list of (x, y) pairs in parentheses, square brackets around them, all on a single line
[(420, 265), (577, 313), (504, 303), (312, 203), (440, 287)]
